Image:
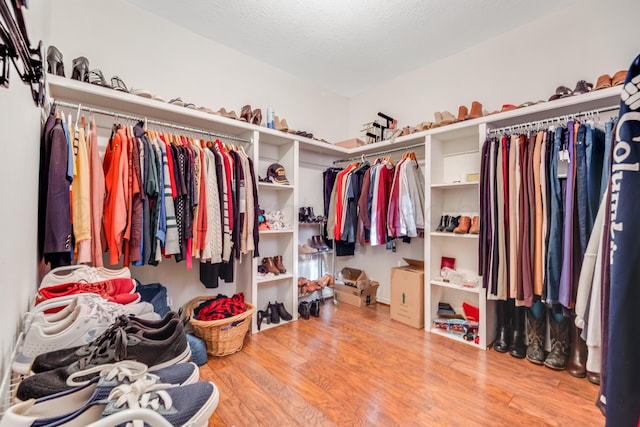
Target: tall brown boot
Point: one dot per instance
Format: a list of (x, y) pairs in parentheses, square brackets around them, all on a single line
[(462, 113), (476, 110), (559, 331), (463, 225), (535, 333), (277, 261), (475, 225), (577, 353), (270, 266)]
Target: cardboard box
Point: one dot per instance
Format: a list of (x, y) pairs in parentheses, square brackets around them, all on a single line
[(407, 293), (350, 296), (351, 143), (355, 278)]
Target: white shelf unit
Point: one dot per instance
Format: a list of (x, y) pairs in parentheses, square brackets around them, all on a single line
[(451, 157), (274, 148)]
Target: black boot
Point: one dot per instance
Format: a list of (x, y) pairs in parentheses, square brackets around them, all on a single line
[(517, 347), (536, 333), (559, 332), (501, 344), (578, 352), (314, 308), (303, 310), (282, 311), (444, 221), (273, 312)]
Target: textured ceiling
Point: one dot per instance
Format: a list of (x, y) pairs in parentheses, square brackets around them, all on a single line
[(348, 46)]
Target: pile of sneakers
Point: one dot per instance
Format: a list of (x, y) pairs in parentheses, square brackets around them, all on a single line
[(85, 356)]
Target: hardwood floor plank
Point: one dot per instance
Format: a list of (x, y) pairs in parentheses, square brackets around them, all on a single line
[(356, 367)]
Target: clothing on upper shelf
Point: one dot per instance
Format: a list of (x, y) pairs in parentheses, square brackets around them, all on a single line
[(375, 203), (153, 195)]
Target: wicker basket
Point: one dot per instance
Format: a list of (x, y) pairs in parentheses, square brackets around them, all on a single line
[(222, 337)]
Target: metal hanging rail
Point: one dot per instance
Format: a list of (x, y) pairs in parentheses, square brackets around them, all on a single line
[(535, 123), (151, 121), (377, 153)]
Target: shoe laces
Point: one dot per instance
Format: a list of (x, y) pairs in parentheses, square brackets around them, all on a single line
[(115, 340), (143, 393), (126, 370)]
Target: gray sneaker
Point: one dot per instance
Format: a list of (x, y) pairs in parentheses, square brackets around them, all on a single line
[(66, 356), (155, 348)]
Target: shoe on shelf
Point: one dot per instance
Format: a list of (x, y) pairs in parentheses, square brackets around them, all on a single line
[(268, 263), (476, 110), (272, 310), (444, 221), (318, 243), (306, 249), (156, 348), (304, 309), (280, 125), (66, 356), (453, 223), (475, 225), (256, 117), (619, 78), (463, 225), (282, 311), (86, 403), (463, 112), (327, 280), (80, 70), (55, 63), (277, 261), (313, 285), (245, 114)]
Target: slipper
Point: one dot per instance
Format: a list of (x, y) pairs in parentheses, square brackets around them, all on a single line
[(603, 81), (619, 78), (118, 84), (141, 92), (177, 101), (561, 92)]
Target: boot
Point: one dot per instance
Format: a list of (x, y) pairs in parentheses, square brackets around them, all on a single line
[(273, 312), (536, 333), (282, 311), (444, 221), (475, 225), (462, 113), (476, 110), (577, 353), (303, 310), (593, 377), (501, 344), (453, 223), (559, 331), (277, 261), (314, 308), (463, 225), (517, 347), (262, 315), (270, 266)]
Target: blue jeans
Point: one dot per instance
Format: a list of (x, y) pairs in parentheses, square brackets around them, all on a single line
[(606, 163), (554, 247), (595, 155), (582, 198)]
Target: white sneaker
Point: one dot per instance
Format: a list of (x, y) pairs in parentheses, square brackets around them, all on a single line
[(82, 273), (83, 324)]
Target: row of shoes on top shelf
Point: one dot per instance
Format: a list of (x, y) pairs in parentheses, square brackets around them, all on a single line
[(307, 216), (273, 313), (306, 286), (460, 224), (318, 244), (582, 86)]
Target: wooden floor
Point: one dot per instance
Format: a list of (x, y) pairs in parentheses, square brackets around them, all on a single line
[(356, 367)]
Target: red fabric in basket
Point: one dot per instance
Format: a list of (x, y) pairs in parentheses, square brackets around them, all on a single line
[(221, 307)]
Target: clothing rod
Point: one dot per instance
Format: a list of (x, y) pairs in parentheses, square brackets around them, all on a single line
[(150, 121), (377, 153), (552, 120)]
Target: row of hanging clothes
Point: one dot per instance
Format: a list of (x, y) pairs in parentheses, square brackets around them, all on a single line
[(153, 195), (374, 203), (542, 186)]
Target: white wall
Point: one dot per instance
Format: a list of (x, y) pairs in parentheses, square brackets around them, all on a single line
[(19, 162), (147, 51), (583, 41)]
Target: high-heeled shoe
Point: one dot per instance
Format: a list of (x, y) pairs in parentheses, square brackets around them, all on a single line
[(80, 69), (313, 217), (97, 78), (282, 311), (262, 315), (256, 117), (54, 61), (245, 113)]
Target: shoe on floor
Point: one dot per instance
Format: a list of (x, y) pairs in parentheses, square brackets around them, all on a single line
[(157, 349)]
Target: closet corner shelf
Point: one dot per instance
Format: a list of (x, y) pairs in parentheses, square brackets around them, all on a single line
[(446, 334), (454, 235), (288, 230), (272, 186), (440, 283), (268, 279), (446, 186)]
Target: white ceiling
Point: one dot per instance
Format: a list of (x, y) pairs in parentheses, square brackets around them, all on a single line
[(348, 46)]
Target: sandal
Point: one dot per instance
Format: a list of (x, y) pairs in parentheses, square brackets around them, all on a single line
[(97, 78), (582, 86), (561, 92), (118, 84)]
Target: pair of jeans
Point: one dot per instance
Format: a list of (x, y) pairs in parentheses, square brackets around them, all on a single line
[(556, 207), (595, 156), (566, 278), (582, 197), (606, 162)]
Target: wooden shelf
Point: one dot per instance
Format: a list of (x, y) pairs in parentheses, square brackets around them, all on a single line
[(454, 235), (288, 230), (272, 186), (268, 279), (446, 334), (440, 283), (455, 185)]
